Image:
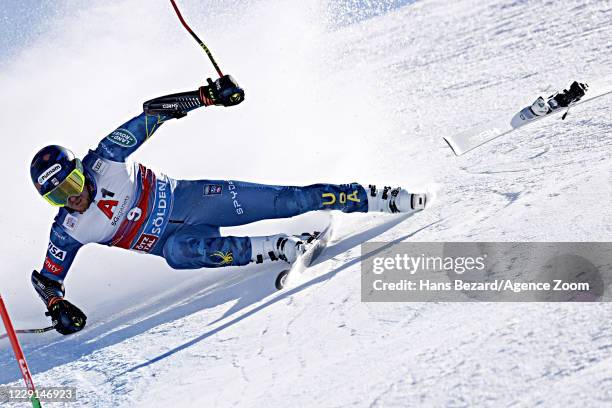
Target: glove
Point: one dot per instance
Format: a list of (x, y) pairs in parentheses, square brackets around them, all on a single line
[(225, 91), (66, 317)]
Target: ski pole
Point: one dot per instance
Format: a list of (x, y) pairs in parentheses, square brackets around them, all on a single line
[(565, 114), (23, 365), (204, 47), (27, 331)]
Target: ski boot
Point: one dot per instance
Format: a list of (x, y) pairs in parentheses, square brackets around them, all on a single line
[(567, 97), (280, 246), (540, 107), (394, 200)]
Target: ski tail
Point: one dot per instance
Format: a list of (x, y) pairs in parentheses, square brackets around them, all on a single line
[(451, 146), (308, 258), (470, 139)]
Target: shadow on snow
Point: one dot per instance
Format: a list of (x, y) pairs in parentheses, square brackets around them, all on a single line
[(330, 252), (246, 285)]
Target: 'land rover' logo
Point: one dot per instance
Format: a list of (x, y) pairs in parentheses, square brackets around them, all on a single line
[(122, 137)]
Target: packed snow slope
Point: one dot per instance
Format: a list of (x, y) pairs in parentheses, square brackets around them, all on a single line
[(367, 101)]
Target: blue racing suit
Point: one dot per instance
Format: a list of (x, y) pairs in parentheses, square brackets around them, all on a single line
[(134, 208)]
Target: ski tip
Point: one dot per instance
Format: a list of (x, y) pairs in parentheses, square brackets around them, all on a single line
[(433, 192), (281, 279), (451, 147)]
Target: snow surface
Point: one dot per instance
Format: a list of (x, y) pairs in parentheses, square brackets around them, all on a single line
[(367, 102)]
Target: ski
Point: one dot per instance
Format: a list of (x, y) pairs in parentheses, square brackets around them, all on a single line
[(470, 139), (307, 258)]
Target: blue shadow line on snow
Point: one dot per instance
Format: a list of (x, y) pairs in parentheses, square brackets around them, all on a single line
[(330, 252)]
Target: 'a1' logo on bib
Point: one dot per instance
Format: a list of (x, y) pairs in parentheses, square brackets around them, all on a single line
[(107, 207)]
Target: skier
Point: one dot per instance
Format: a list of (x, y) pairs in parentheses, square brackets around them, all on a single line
[(106, 200)]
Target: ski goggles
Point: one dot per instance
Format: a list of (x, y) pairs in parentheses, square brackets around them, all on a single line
[(71, 186)]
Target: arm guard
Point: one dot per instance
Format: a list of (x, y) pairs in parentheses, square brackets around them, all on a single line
[(175, 105), (47, 288)]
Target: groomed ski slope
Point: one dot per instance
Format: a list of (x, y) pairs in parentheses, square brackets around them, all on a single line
[(368, 102)]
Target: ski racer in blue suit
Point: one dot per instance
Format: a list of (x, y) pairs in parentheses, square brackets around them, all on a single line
[(108, 200)]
